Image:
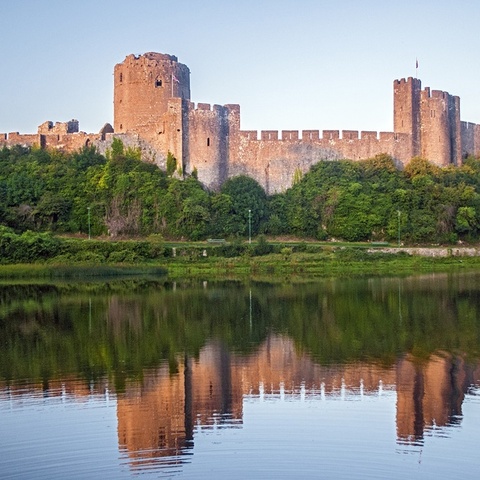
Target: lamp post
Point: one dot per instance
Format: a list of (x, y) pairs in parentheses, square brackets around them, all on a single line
[(249, 226), (89, 231), (399, 213)]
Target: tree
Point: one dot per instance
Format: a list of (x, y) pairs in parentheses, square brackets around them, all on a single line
[(466, 220), (248, 204), (171, 164)]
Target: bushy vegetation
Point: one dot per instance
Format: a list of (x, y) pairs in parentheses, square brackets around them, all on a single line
[(121, 196), (373, 200), (29, 247)]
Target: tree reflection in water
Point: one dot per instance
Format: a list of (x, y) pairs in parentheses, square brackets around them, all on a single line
[(187, 355)]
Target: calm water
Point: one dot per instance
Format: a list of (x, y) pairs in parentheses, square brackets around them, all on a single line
[(372, 378)]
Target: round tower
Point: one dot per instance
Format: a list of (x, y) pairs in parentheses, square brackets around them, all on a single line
[(143, 85)]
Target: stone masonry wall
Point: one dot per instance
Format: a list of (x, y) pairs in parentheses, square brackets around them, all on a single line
[(152, 111), (273, 161)]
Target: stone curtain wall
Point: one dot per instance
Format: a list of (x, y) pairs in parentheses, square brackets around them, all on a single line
[(153, 111), (273, 160)]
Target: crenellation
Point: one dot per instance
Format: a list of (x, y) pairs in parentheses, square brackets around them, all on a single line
[(350, 134), (233, 108), (249, 134), (25, 139), (310, 135), (369, 135), (269, 134), (153, 112), (439, 94), (331, 134), (426, 92), (410, 81), (289, 135)]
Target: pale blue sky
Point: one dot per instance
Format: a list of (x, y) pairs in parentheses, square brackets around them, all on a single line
[(290, 64)]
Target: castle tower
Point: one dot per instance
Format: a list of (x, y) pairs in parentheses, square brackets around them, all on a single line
[(406, 111), (143, 86), (440, 128)]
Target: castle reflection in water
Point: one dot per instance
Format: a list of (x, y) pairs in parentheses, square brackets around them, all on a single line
[(157, 417)]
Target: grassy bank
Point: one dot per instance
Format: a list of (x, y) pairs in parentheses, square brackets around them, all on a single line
[(77, 271), (42, 255), (324, 263), (344, 263)]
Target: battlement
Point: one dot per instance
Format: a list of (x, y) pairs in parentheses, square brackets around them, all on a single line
[(248, 134), (407, 81), (427, 93), (311, 135), (438, 94), (60, 128), (331, 135), (468, 125), (233, 108), (269, 135), (16, 138), (152, 56), (314, 135), (371, 135), (206, 107), (289, 134), (350, 134)]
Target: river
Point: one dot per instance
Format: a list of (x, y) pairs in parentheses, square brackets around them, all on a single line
[(333, 378)]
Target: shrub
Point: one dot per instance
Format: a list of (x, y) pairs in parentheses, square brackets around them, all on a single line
[(262, 247)]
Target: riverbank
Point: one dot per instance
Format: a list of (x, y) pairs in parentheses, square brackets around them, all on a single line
[(347, 262), (323, 263)]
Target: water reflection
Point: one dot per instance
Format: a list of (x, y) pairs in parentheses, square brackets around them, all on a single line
[(157, 417), (180, 360)]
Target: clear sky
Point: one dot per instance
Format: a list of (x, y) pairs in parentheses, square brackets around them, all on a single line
[(290, 64)]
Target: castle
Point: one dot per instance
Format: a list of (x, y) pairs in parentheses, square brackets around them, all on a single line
[(153, 112)]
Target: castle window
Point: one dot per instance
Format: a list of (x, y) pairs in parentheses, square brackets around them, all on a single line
[(158, 82), (208, 141), (121, 77), (121, 127)]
